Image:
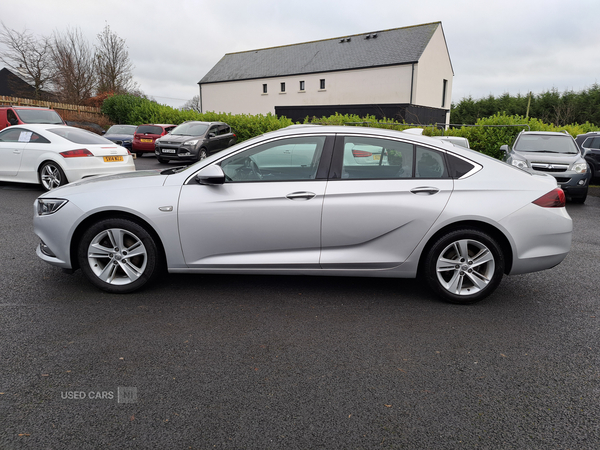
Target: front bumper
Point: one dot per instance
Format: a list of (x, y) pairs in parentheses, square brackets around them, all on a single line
[(180, 153), (572, 183)]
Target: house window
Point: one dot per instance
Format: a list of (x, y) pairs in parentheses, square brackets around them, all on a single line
[(264, 88), (444, 90), (282, 87), (302, 85), (322, 83)]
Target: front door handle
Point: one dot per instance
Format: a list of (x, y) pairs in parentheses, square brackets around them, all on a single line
[(425, 190), (301, 195)]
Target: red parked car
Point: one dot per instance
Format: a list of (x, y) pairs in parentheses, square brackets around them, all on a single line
[(145, 135)]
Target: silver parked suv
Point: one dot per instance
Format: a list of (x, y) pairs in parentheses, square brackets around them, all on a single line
[(553, 153)]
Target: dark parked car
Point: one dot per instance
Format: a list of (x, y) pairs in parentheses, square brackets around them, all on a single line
[(145, 136), (589, 143), (553, 153), (194, 141), (121, 135)]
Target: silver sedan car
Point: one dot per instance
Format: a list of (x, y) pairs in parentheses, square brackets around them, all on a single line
[(295, 201)]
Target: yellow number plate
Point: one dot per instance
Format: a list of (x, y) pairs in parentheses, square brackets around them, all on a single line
[(376, 157), (112, 158), (146, 140)]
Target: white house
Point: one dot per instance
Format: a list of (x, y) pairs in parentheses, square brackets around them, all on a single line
[(402, 73)]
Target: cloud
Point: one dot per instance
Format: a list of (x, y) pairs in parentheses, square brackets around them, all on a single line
[(495, 46)]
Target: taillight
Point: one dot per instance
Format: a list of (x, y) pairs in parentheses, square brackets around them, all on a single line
[(553, 199), (76, 153), (361, 154)]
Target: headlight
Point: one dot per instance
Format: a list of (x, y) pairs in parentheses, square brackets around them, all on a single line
[(190, 143), (579, 167), (521, 164), (126, 142), (47, 206)]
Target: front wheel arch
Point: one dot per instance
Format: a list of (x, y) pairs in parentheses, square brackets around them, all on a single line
[(119, 255), (83, 226)]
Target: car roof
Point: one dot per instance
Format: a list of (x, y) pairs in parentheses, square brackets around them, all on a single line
[(376, 132), (206, 123), (156, 125), (37, 127), (24, 107)]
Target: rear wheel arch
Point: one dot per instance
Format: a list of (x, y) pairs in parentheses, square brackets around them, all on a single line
[(52, 162), (494, 232)]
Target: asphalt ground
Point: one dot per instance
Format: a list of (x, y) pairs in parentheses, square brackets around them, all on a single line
[(258, 362)]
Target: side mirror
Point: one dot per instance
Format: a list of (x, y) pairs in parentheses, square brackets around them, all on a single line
[(211, 135), (211, 175), (504, 148)]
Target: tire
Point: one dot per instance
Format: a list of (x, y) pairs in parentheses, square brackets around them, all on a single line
[(162, 160), (139, 154), (464, 266), (202, 154), (51, 176), (106, 259)]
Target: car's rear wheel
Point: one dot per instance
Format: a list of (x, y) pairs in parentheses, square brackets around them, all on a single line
[(464, 266), (119, 256), (52, 176)]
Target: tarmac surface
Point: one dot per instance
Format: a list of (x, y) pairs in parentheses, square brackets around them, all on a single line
[(258, 362)]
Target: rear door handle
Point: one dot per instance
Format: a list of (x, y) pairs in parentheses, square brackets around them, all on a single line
[(425, 190), (301, 195)]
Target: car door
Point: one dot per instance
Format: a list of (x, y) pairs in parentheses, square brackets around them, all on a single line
[(266, 215), (374, 215), (12, 144)]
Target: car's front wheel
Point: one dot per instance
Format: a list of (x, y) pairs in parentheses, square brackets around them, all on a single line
[(464, 266), (202, 154), (52, 176), (119, 255)]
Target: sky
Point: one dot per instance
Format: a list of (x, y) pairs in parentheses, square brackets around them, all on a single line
[(496, 47)]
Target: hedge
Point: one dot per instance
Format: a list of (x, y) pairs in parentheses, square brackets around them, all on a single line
[(486, 136)]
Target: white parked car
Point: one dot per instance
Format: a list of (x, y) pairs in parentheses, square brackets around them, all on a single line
[(294, 202), (54, 155)]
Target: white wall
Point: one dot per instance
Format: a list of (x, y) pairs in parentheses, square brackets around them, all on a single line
[(434, 67), (363, 86)]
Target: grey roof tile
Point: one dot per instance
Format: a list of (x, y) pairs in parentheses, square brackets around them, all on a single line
[(390, 47)]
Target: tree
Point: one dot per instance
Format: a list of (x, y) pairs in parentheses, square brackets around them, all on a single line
[(193, 104), (73, 65), (29, 57), (113, 67)]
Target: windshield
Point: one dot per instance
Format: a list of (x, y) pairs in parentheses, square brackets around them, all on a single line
[(80, 136), (121, 129), (190, 129), (545, 143), (39, 116)]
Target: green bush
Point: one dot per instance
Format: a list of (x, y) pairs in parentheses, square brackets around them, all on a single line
[(134, 110), (486, 136)]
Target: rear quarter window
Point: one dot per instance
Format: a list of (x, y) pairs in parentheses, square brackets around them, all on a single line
[(148, 129), (79, 136)]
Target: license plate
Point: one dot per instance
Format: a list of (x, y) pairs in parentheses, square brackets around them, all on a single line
[(376, 157), (146, 140), (112, 158), (168, 150)]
